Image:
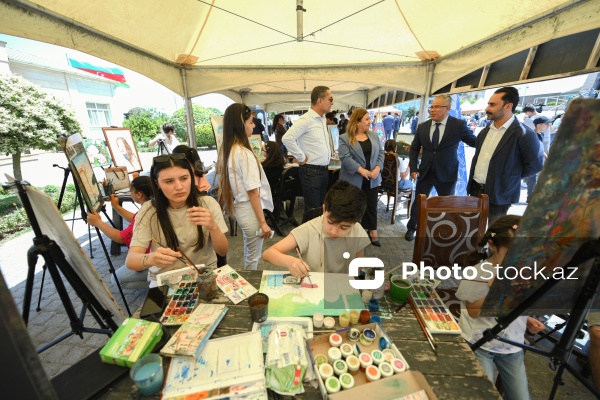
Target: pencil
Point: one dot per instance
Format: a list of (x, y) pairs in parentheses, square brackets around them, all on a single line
[(426, 331)]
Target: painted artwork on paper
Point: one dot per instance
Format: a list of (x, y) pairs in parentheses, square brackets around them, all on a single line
[(297, 300), (564, 213)]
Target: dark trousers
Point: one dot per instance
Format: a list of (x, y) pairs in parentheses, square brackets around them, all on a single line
[(314, 180), (495, 210), (424, 186), (369, 219)]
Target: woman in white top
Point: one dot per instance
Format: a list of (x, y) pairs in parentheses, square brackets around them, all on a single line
[(508, 359), (244, 188)]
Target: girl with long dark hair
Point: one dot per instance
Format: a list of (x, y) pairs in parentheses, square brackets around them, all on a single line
[(178, 218), (244, 190)]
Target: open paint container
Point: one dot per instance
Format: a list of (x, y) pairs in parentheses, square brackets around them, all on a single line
[(399, 288)]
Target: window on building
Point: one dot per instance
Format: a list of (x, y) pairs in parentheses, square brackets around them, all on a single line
[(99, 114)]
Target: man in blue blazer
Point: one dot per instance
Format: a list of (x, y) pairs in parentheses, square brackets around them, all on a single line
[(438, 138), (507, 151)]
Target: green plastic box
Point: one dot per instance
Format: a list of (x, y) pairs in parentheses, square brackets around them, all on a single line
[(134, 338)]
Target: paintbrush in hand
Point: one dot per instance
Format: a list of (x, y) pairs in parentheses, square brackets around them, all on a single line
[(300, 257), (185, 261)]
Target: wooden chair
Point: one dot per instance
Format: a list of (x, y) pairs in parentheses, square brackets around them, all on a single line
[(448, 228), (389, 185)]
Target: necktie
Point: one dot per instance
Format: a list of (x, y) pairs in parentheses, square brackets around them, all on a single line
[(436, 135)]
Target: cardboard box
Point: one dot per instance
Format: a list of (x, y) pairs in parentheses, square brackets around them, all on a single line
[(392, 387), (134, 338)]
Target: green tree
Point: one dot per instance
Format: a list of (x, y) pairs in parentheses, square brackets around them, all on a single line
[(201, 117), (145, 123), (412, 110), (29, 118)]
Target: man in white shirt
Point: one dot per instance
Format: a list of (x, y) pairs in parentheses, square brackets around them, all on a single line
[(309, 141), (507, 151), (168, 138)]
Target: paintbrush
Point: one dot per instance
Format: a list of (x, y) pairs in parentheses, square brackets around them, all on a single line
[(428, 334), (300, 257), (185, 261), (400, 307), (189, 260)]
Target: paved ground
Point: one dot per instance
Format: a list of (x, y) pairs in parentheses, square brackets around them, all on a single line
[(51, 322)]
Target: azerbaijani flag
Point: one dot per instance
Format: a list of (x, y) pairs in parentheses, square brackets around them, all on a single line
[(114, 74)]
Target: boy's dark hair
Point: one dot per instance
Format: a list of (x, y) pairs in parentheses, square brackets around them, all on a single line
[(345, 203), (168, 128), (509, 95), (528, 108), (390, 145)]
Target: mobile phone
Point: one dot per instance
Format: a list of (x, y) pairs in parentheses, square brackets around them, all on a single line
[(155, 301), (260, 232)]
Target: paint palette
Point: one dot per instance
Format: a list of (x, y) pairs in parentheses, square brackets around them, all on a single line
[(181, 303), (432, 310)]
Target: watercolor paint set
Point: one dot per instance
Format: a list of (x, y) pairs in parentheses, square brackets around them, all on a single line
[(181, 303), (432, 310)]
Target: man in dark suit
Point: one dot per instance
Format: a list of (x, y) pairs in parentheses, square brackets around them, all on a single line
[(507, 151), (259, 128), (438, 138), (414, 123)]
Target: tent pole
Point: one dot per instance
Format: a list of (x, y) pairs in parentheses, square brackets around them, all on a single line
[(189, 111), (425, 98)]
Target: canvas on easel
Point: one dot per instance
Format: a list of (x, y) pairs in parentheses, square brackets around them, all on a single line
[(122, 148), (564, 213), (216, 122), (83, 172)]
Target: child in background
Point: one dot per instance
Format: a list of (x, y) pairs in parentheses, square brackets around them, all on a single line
[(404, 183), (324, 239), (509, 360), (141, 191)]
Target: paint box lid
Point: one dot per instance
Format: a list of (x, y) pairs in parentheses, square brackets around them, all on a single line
[(353, 335), (372, 373), (347, 381), (332, 384), (320, 359), (365, 360), (326, 371), (386, 369), (340, 367), (398, 366), (334, 354), (356, 350), (335, 340), (353, 363), (377, 356)]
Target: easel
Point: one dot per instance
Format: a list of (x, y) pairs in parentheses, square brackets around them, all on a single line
[(56, 263), (162, 148), (560, 354), (79, 198)]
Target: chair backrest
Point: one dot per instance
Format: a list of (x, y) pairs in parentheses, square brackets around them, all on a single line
[(449, 228), (389, 174), (312, 214), (290, 183)]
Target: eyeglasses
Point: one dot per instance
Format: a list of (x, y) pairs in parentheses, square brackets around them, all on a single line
[(325, 98), (436, 107), (167, 157)]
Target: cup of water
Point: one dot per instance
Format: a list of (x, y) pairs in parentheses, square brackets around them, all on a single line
[(147, 374)]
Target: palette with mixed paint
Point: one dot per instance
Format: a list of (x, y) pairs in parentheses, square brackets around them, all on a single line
[(432, 310), (181, 303)]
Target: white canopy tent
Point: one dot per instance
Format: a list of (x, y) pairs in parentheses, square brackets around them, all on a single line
[(273, 52)]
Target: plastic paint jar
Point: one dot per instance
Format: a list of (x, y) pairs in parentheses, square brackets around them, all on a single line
[(335, 340), (347, 381), (354, 317), (398, 366), (320, 359), (376, 319), (328, 322), (372, 373), (367, 295), (386, 370), (353, 364), (332, 384), (346, 350), (367, 337), (353, 335), (373, 305), (365, 361), (318, 320), (326, 371), (344, 320), (340, 367), (388, 355), (333, 354), (365, 316), (377, 357)]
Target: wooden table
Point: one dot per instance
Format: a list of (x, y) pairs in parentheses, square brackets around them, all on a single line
[(454, 373)]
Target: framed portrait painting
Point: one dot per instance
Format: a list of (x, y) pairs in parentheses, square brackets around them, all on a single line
[(122, 148)]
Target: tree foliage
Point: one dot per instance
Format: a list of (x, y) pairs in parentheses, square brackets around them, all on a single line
[(201, 117), (30, 118), (145, 123)]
